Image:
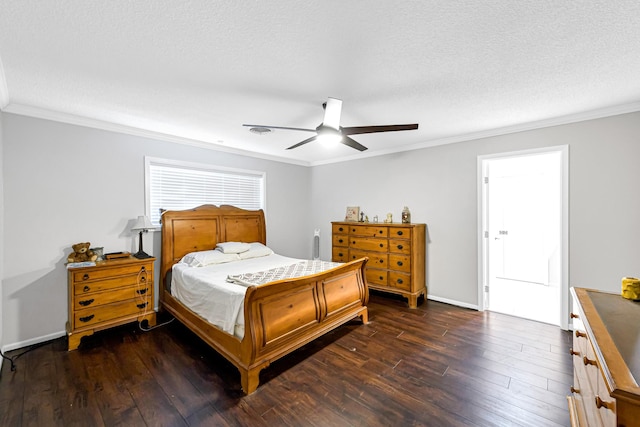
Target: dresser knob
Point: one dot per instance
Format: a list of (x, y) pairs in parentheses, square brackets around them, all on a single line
[(340, 229), (381, 261), (399, 232), (400, 247), (574, 353), (580, 334), (340, 254), (86, 289), (87, 318), (142, 291), (143, 269), (381, 245), (143, 279), (574, 316), (85, 277), (588, 361), (86, 302), (602, 404), (143, 305), (575, 390), (340, 241), (400, 263), (400, 281), (380, 277)]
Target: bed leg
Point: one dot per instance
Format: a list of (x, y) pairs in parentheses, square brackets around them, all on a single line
[(249, 379)]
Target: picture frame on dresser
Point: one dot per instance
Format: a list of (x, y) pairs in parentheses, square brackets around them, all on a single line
[(353, 213)]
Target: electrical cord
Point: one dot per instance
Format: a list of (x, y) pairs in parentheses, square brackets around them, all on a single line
[(12, 359), (144, 299)]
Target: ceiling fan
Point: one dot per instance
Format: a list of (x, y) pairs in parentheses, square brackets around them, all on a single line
[(331, 130)]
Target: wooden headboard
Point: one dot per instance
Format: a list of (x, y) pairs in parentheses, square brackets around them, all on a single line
[(201, 228)]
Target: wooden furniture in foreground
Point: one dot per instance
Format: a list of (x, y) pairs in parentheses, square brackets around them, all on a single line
[(108, 294), (606, 360), (396, 255), (280, 316)]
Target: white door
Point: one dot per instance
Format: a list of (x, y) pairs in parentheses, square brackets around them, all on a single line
[(524, 217)]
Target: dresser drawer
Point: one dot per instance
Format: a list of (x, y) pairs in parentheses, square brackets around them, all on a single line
[(400, 263), (339, 229), (340, 254), (368, 231), (400, 280), (400, 233), (400, 246), (341, 240), (104, 313), (99, 298), (376, 277), (98, 274), (368, 244), (80, 288), (376, 260)]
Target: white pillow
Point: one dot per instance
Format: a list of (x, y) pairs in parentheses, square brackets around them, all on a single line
[(232, 247), (204, 258), (256, 250)]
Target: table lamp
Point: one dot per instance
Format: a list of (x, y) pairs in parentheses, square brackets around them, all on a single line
[(143, 225)]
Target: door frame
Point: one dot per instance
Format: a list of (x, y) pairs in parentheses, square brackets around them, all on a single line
[(483, 242)]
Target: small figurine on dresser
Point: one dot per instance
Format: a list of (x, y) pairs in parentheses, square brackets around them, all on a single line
[(82, 253), (389, 219)]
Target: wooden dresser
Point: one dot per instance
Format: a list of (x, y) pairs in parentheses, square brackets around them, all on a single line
[(606, 360), (396, 255), (110, 293)]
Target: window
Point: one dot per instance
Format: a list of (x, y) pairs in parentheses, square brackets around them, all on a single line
[(173, 185)]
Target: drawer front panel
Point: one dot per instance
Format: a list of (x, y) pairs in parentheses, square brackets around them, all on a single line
[(80, 288), (98, 274), (104, 313), (368, 231), (369, 244), (376, 277), (341, 240), (376, 260), (400, 233), (400, 263), (400, 280), (340, 254), (339, 229), (400, 246), (100, 298)]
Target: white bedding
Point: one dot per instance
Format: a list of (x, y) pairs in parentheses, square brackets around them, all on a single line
[(205, 290)]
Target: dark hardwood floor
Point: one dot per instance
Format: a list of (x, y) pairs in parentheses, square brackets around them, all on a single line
[(438, 365)]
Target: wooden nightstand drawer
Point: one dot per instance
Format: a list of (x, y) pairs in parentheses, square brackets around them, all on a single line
[(91, 316), (100, 298), (91, 275), (106, 284)]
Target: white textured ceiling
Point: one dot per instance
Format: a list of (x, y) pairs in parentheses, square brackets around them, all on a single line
[(198, 70)]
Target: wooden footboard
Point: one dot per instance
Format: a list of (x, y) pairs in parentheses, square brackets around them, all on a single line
[(279, 316)]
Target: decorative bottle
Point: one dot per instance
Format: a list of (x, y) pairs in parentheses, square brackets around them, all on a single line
[(406, 215)]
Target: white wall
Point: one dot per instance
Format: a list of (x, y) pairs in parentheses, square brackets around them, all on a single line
[(439, 186), (66, 184), (1, 238)]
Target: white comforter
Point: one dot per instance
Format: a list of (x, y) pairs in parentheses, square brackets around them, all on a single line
[(205, 290)]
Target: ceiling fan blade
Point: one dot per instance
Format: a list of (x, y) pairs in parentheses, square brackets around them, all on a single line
[(279, 127), (353, 144), (313, 138), (332, 112), (373, 129)]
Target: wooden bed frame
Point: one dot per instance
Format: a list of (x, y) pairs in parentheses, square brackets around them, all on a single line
[(279, 316)]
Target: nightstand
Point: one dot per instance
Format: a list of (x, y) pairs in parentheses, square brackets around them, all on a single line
[(111, 293)]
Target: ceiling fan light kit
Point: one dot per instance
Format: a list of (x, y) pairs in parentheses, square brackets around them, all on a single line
[(330, 131)]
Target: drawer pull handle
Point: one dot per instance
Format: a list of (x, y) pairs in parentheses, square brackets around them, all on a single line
[(143, 305), (340, 240), (86, 302), (602, 404), (399, 232), (381, 261), (400, 281), (399, 247), (87, 318), (340, 229), (381, 245), (588, 361), (143, 278), (86, 289), (580, 334), (340, 254), (142, 269), (85, 277), (574, 316), (574, 353), (575, 390), (380, 231), (380, 277), (142, 291), (399, 263)]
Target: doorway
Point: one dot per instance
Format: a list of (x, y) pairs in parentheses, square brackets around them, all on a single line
[(523, 234)]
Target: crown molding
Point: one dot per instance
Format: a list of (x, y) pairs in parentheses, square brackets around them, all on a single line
[(56, 116)]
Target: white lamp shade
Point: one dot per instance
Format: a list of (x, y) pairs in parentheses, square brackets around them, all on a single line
[(143, 223)]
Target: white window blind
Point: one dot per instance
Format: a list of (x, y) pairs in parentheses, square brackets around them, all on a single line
[(178, 186)]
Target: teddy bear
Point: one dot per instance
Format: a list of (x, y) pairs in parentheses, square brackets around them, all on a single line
[(81, 253)]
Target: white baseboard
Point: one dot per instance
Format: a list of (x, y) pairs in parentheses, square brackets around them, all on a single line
[(32, 341), (452, 302)]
